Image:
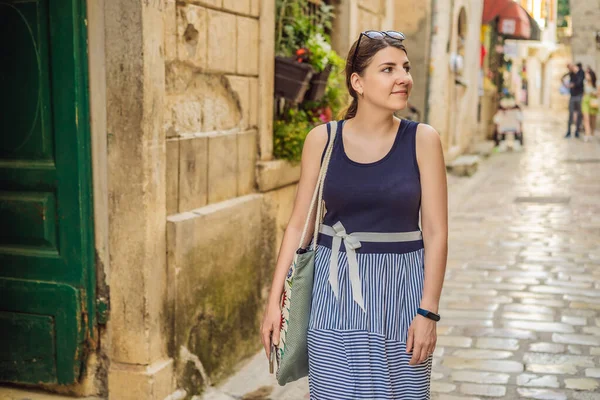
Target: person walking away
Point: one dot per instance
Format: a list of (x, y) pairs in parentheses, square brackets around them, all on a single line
[(577, 77), (378, 277), (589, 104)]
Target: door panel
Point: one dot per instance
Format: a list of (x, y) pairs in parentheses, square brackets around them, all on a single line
[(47, 278)]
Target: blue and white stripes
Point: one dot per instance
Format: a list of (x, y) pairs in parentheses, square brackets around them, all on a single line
[(356, 354)]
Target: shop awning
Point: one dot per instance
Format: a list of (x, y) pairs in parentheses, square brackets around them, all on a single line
[(513, 20)]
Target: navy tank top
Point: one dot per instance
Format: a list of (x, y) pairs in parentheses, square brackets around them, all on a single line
[(382, 196)]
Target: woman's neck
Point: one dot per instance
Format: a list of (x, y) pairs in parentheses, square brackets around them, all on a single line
[(373, 120)]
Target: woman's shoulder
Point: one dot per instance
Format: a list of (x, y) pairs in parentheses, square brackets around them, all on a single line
[(315, 142), (427, 139)]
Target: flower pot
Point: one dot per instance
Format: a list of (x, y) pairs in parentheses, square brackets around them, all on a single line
[(291, 79), (318, 84)]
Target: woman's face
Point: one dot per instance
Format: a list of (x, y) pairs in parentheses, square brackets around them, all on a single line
[(588, 76), (387, 82)]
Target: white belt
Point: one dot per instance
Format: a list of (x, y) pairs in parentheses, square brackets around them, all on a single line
[(352, 241)]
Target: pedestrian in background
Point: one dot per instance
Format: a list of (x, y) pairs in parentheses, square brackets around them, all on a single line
[(577, 77), (589, 104), (378, 277)]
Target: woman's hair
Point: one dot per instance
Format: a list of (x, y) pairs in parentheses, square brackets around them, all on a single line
[(592, 77), (367, 50)]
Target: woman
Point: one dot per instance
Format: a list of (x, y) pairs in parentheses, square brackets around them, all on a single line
[(366, 338), (589, 104)]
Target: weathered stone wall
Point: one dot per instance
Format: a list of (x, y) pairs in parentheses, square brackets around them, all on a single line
[(585, 15), (222, 230), (211, 110), (452, 107), (135, 90)]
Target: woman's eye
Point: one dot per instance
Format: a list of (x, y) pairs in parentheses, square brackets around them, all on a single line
[(407, 68), (388, 69)]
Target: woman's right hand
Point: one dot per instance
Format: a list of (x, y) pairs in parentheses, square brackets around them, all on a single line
[(270, 326)]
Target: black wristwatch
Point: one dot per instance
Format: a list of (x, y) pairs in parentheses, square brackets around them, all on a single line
[(428, 314)]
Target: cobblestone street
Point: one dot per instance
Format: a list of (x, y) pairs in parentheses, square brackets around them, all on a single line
[(521, 304)]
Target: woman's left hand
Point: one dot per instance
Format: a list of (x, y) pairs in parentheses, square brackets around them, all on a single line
[(422, 338)]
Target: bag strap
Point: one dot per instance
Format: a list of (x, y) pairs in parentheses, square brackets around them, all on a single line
[(317, 198)]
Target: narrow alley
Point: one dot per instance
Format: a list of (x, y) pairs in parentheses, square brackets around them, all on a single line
[(521, 301)]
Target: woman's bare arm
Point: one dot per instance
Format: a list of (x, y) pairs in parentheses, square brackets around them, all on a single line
[(314, 146), (434, 213)]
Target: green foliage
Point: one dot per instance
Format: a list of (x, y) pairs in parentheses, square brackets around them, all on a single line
[(290, 132), (564, 10), (297, 27)]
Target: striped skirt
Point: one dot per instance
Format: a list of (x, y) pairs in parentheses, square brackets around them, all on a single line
[(355, 354)]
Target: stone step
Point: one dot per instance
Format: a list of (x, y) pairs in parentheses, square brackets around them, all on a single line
[(464, 165)]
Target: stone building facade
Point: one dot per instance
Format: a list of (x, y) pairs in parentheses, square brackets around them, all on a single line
[(453, 93), (585, 42)]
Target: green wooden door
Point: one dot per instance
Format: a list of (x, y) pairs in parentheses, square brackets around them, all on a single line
[(47, 277)]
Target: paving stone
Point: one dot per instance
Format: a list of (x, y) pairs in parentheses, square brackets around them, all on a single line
[(454, 341), (574, 349), (586, 396), (503, 333), (547, 347), (541, 394), (529, 308), (592, 330), (482, 365), (483, 390), (529, 317), (439, 352), (585, 306), (436, 376), (497, 343), (442, 387), (592, 372), (544, 302), (444, 330), (567, 369), (482, 354), (479, 377), (588, 340), (547, 381), (540, 326), (500, 286), (582, 384), (563, 359), (573, 320)]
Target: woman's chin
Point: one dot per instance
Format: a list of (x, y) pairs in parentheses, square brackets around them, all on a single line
[(400, 104)]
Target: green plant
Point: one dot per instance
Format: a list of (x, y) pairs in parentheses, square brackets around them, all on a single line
[(300, 27), (290, 132), (293, 26)]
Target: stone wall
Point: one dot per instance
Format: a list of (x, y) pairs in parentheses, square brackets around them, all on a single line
[(227, 202), (453, 107), (211, 110), (585, 15)]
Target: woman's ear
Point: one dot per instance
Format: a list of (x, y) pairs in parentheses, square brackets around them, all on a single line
[(356, 82)]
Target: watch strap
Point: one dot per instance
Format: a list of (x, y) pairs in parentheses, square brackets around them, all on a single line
[(428, 314)]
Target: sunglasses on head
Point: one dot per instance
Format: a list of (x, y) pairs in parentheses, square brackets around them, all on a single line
[(376, 35)]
